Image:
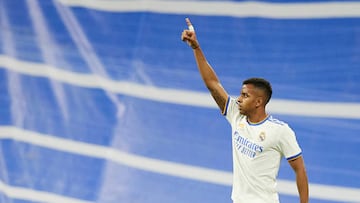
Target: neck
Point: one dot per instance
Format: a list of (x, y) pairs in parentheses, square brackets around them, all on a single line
[(257, 118)]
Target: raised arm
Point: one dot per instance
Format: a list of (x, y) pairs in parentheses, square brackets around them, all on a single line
[(206, 71)]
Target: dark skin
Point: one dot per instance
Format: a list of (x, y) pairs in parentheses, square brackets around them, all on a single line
[(252, 103)]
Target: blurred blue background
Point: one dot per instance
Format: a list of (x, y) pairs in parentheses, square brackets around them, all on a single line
[(102, 102)]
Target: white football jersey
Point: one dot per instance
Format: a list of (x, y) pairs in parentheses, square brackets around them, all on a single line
[(257, 151)]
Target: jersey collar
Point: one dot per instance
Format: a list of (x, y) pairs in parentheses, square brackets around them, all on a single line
[(258, 123)]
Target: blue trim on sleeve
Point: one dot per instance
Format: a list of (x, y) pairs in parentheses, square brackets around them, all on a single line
[(226, 106), (294, 157)]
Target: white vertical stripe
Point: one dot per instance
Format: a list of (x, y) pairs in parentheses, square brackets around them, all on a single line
[(49, 50)]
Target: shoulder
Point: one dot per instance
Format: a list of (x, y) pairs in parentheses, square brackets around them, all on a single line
[(276, 121), (279, 124)]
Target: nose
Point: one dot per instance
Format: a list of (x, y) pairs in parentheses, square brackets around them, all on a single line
[(238, 100)]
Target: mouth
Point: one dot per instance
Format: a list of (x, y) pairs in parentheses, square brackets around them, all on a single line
[(239, 105)]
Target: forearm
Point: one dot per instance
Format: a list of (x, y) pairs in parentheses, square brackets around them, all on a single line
[(206, 71), (210, 79)]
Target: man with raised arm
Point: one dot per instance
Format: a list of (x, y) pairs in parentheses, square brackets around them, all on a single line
[(259, 141)]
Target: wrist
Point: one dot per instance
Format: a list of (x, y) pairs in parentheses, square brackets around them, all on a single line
[(195, 46)]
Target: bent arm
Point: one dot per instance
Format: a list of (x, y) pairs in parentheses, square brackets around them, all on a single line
[(301, 178)]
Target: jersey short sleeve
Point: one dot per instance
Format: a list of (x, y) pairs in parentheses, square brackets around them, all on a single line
[(288, 144), (231, 109)]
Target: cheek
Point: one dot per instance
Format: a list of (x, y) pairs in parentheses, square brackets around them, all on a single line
[(248, 102), (245, 103)]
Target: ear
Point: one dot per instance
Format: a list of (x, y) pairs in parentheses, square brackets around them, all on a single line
[(259, 101)]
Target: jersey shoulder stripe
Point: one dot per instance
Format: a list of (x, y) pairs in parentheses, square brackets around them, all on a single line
[(276, 121)]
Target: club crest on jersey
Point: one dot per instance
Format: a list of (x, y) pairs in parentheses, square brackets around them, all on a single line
[(262, 136)]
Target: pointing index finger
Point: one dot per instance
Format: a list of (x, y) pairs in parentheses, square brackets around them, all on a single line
[(190, 26)]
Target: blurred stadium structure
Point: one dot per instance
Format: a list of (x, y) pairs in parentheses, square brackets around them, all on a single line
[(102, 102)]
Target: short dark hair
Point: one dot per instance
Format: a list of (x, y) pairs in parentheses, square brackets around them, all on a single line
[(262, 84)]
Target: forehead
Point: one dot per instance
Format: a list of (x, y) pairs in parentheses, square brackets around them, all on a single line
[(248, 88)]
